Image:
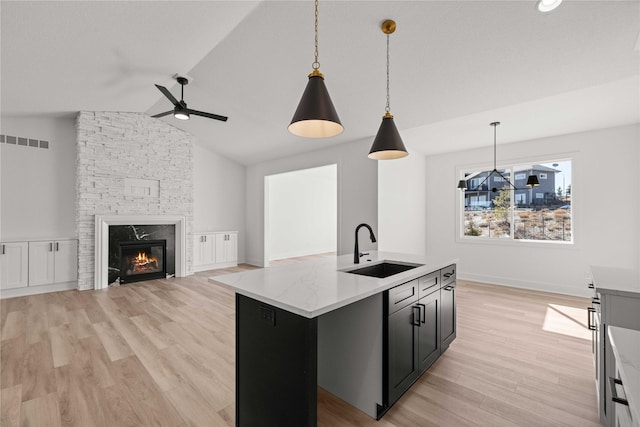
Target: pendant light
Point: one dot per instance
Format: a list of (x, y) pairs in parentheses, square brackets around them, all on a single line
[(388, 145), (316, 117)]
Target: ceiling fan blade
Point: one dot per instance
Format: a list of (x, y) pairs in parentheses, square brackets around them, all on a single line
[(166, 113), (166, 93), (208, 115)]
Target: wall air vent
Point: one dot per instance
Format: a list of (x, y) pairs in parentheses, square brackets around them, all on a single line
[(25, 142)]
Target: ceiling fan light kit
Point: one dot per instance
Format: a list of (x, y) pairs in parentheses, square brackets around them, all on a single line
[(180, 110), (388, 145), (545, 6), (316, 117)]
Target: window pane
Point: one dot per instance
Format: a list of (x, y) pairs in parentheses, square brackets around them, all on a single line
[(492, 206), (544, 212), (487, 204)]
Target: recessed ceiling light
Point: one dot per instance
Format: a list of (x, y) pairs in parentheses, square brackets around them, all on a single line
[(547, 5)]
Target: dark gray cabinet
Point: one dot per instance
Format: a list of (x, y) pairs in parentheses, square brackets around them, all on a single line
[(428, 330), (421, 324), (403, 351)]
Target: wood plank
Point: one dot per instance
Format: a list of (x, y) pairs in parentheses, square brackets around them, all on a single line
[(10, 406), (41, 411)]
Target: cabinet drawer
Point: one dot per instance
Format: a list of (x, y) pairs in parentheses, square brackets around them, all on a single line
[(427, 282), (448, 274), (402, 295)]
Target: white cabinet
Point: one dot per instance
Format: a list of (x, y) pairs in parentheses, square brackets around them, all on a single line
[(213, 250), (14, 265), (227, 248), (204, 250), (53, 261)]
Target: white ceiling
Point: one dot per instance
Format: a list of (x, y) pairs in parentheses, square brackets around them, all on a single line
[(455, 67)]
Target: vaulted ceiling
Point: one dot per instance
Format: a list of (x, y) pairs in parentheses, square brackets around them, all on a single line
[(455, 67)]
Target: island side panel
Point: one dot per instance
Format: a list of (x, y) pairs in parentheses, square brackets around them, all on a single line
[(350, 353), (276, 366)]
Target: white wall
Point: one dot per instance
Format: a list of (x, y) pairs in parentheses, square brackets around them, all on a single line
[(302, 212), (605, 207), (38, 187), (219, 202), (357, 194), (402, 204)]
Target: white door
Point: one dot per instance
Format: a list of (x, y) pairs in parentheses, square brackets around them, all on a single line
[(198, 239), (66, 261), (14, 265), (209, 249), (41, 263)]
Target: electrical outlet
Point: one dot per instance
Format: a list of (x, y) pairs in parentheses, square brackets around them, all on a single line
[(268, 315)]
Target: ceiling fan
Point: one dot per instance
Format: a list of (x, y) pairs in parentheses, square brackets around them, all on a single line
[(180, 110)]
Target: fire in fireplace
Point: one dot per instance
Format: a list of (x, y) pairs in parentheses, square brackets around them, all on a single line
[(142, 260)]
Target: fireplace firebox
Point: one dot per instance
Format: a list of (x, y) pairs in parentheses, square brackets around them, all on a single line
[(142, 260)]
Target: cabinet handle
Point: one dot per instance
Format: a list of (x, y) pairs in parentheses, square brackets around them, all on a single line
[(57, 247), (423, 310), (595, 300), (416, 319), (590, 286), (590, 325), (50, 247), (448, 288), (614, 393), (2, 249)]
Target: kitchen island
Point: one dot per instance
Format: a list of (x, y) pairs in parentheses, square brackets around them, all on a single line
[(310, 324)]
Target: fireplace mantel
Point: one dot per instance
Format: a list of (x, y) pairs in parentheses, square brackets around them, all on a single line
[(102, 241)]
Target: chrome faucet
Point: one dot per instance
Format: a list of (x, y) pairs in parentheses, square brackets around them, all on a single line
[(356, 252)]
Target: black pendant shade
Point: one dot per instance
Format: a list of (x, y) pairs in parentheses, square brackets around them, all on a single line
[(316, 117), (532, 181), (387, 145), (462, 184)]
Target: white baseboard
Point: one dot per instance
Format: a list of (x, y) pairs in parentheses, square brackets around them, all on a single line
[(33, 290), (525, 284)]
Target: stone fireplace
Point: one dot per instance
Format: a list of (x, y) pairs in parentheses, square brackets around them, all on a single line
[(136, 172)]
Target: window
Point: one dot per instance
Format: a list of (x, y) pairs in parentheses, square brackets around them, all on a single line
[(541, 213)]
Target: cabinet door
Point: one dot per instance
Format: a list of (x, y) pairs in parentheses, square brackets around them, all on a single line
[(41, 263), (232, 247), (65, 261), (197, 249), (448, 314), (14, 265), (209, 249), (429, 330), (403, 350), (221, 241)]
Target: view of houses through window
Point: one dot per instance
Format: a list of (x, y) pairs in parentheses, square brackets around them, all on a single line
[(499, 204)]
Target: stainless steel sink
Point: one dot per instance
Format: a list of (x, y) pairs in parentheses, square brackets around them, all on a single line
[(383, 269)]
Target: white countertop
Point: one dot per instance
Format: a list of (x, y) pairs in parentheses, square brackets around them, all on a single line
[(616, 281), (315, 287), (626, 347)]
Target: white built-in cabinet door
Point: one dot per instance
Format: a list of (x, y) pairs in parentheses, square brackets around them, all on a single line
[(226, 247), (41, 263), (204, 249), (66, 261), (14, 265), (53, 261)]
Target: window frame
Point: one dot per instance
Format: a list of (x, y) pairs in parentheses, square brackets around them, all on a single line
[(510, 165)]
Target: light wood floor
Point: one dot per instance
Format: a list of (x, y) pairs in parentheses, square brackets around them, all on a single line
[(162, 353)]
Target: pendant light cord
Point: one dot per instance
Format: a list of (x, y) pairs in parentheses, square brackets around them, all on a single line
[(316, 64), (494, 146), (387, 108)]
